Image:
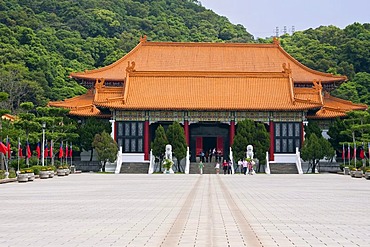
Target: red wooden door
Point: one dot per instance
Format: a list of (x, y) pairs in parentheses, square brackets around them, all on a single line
[(198, 145), (220, 144)]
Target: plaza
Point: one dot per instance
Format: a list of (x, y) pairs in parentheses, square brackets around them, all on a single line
[(186, 210)]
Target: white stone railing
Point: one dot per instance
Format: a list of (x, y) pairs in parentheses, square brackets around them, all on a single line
[(298, 161), (187, 161), (267, 169), (151, 162), (232, 161), (119, 161)]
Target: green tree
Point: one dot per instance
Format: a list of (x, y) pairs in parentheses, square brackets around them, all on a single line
[(315, 149), (87, 131), (159, 144), (312, 128), (106, 148), (176, 137), (252, 133)]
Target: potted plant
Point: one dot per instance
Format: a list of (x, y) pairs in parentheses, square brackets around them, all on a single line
[(51, 171), (352, 171), (167, 165), (61, 171), (67, 170), (31, 174), (358, 173), (44, 173), (22, 176)]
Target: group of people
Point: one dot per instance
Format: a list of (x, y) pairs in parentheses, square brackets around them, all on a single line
[(208, 155), (246, 164)]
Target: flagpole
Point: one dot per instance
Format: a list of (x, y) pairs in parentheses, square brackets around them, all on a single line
[(70, 150), (19, 140), (344, 155), (51, 152)]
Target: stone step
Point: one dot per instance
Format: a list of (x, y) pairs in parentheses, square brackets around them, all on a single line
[(135, 168), (209, 168), (283, 168)]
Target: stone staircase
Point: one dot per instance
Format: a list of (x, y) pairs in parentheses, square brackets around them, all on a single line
[(135, 168), (209, 168), (283, 168)]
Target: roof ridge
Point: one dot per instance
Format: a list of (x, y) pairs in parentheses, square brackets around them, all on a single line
[(307, 68)]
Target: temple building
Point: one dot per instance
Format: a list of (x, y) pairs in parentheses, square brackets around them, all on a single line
[(208, 88)]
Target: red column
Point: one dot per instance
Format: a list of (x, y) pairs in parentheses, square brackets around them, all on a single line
[(146, 140), (302, 134), (272, 141), (186, 131), (232, 132)]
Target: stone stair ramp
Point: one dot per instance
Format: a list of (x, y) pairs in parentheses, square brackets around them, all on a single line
[(283, 168)]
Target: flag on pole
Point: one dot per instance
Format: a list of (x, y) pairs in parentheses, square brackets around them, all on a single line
[(3, 148), (46, 150), (349, 152), (8, 147), (61, 150), (362, 154), (343, 152), (70, 150), (20, 152), (38, 151), (51, 149), (368, 149), (28, 150), (354, 150), (67, 153)]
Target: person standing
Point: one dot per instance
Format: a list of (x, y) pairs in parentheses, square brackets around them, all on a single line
[(250, 168), (245, 166), (225, 166), (201, 167), (217, 168)]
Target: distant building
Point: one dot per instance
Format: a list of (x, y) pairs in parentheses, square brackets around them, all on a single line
[(208, 88)]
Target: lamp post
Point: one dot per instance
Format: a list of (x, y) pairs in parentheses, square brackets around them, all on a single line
[(43, 144)]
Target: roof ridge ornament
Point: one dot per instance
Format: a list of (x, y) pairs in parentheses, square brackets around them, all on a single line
[(130, 67), (143, 39), (317, 85), (286, 69), (276, 41)]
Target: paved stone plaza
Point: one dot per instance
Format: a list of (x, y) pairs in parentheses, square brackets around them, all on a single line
[(186, 210)]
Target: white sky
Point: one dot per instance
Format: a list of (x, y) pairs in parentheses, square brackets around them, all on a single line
[(261, 17)]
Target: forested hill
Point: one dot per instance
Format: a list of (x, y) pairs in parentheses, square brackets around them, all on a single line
[(41, 42)]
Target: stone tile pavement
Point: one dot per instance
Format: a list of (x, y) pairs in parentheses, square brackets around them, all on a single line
[(186, 210)]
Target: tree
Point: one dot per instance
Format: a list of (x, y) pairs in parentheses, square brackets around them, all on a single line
[(159, 144), (312, 128), (89, 129), (176, 137), (315, 149), (106, 148), (252, 133)]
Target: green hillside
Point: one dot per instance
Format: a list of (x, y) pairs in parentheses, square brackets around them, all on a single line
[(41, 42)]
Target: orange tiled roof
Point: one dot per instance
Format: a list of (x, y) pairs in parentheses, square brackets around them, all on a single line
[(82, 105), (335, 107), (207, 91), (9, 117), (212, 57)]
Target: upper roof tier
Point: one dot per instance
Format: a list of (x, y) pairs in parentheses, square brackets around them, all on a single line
[(208, 57)]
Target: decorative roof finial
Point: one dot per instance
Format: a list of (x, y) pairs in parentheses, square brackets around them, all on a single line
[(317, 85), (130, 66), (143, 39), (276, 41), (286, 69)]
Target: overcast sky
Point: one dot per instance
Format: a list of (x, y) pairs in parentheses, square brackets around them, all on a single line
[(261, 17)]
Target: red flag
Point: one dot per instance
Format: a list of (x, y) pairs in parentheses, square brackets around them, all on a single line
[(362, 153), (343, 153), (28, 150), (67, 150), (46, 150), (8, 147), (38, 151), (20, 152), (51, 149), (61, 150), (354, 151), (349, 152), (3, 148)]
